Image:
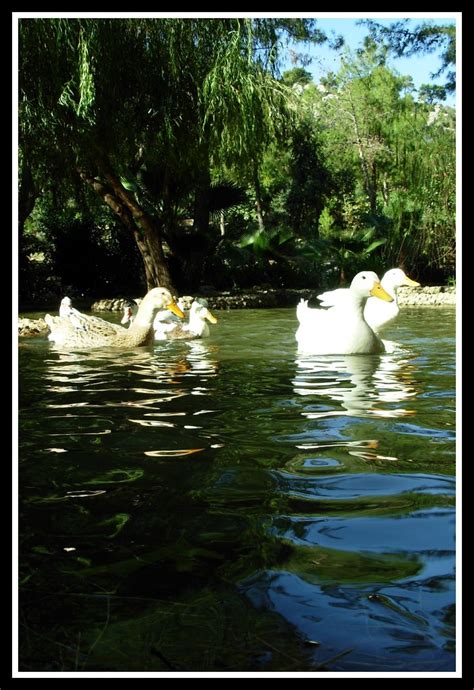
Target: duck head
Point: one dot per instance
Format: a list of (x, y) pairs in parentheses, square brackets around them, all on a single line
[(367, 284), (395, 278)]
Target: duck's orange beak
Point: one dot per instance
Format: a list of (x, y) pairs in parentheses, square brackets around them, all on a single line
[(175, 309), (378, 291)]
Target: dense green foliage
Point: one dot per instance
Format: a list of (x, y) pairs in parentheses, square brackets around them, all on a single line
[(170, 150)]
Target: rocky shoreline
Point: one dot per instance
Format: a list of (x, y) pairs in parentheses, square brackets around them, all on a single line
[(268, 298), (31, 327), (431, 296)]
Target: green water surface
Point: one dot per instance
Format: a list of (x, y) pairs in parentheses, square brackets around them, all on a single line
[(225, 504)]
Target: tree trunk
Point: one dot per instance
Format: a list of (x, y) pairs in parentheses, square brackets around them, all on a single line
[(385, 189), (27, 195), (192, 260), (201, 205), (258, 198), (373, 189), (132, 215), (369, 182)]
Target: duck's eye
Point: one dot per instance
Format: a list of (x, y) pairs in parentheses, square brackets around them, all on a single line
[(364, 277)]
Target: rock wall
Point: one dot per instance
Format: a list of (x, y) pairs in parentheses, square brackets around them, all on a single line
[(111, 304), (261, 299), (30, 327), (431, 296), (427, 296)]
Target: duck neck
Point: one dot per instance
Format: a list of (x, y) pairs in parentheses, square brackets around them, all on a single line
[(145, 315), (358, 304), (196, 324), (391, 289)]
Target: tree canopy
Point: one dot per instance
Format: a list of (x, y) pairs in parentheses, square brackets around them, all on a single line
[(426, 37), (182, 136)]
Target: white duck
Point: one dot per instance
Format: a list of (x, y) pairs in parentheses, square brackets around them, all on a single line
[(196, 327), (81, 322), (377, 313), (342, 329), (100, 333), (165, 321), (66, 310)]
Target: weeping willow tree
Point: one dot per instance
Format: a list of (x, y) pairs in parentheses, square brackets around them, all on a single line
[(84, 93), (232, 90), (103, 99)]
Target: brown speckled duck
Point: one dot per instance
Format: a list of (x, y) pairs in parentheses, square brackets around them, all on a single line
[(96, 332)]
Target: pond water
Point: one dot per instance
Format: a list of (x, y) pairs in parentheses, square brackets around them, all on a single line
[(225, 504)]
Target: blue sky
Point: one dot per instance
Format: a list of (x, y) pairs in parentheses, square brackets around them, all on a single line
[(419, 67)]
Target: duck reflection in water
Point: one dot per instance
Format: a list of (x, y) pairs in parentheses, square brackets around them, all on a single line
[(362, 385), (202, 357), (104, 370)]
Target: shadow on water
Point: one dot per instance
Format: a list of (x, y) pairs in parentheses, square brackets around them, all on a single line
[(227, 504)]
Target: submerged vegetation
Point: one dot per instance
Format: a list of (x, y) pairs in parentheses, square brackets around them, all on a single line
[(175, 152)]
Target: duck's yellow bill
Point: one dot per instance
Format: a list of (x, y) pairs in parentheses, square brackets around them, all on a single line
[(210, 317), (378, 291), (409, 281), (175, 309)]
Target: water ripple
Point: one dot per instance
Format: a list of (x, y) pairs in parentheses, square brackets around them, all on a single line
[(188, 474)]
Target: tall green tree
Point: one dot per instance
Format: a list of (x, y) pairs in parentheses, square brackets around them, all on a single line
[(392, 160), (103, 99), (362, 102)]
